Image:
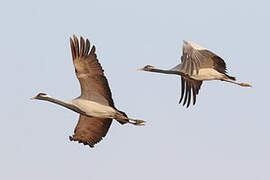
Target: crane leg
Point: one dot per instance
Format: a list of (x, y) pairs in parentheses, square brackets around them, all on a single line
[(234, 82), (135, 122)]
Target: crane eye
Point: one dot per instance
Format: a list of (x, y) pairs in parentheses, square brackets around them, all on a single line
[(41, 94)]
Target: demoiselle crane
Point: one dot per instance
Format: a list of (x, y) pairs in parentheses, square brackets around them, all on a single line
[(198, 64), (95, 104)]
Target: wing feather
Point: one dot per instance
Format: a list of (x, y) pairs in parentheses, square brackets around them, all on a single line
[(196, 85), (94, 85), (183, 65), (183, 83), (194, 95), (187, 92), (87, 48), (188, 85), (90, 130), (189, 95), (203, 58), (76, 45), (82, 48)]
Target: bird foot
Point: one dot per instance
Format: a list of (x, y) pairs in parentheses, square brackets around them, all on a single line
[(137, 122), (245, 84)]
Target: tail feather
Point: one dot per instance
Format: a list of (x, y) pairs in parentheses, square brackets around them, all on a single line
[(122, 118), (124, 114)]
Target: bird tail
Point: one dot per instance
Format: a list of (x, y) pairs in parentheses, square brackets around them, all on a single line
[(136, 122), (122, 118), (124, 114)]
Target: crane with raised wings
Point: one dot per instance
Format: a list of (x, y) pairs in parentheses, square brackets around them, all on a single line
[(95, 104), (198, 64)]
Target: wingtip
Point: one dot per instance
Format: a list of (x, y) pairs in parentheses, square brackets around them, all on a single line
[(75, 37), (81, 142), (185, 42), (81, 38), (93, 49), (70, 40)]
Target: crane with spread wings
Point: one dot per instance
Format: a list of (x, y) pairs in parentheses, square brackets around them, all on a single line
[(95, 105), (198, 64)]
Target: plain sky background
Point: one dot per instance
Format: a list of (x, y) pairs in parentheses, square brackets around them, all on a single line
[(225, 136)]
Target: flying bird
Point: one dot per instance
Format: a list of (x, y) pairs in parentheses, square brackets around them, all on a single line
[(95, 104), (198, 64)]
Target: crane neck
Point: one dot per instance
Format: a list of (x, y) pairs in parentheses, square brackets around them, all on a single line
[(163, 71), (66, 104)]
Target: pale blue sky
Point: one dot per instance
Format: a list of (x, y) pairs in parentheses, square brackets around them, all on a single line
[(225, 136)]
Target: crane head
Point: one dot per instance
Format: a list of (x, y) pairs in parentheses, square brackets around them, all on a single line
[(40, 96), (146, 68)]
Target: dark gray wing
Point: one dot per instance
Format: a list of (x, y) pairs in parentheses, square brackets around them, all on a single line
[(90, 131), (189, 87), (94, 85)]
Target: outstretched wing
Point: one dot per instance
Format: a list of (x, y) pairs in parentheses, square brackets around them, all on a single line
[(90, 130), (196, 57), (94, 85), (189, 86)]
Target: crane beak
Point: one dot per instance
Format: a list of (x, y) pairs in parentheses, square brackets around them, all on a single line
[(33, 98), (140, 69)]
